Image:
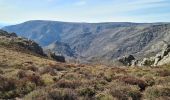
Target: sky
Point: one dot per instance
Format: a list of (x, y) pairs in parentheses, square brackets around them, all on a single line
[(17, 11)]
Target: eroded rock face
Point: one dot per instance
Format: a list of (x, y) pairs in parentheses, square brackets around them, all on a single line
[(159, 59), (166, 50), (147, 62), (165, 55)]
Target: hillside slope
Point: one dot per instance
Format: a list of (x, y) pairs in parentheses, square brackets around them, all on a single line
[(27, 75), (98, 42)]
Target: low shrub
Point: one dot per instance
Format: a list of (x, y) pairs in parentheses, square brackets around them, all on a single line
[(47, 79), (1, 71), (164, 73), (62, 94), (87, 92), (155, 92), (7, 84), (24, 87), (40, 94), (35, 78), (162, 80), (32, 68), (104, 96), (21, 74), (53, 70), (134, 81), (68, 84), (123, 91)]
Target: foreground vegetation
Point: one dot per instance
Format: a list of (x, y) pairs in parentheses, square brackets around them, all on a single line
[(26, 73), (31, 77)]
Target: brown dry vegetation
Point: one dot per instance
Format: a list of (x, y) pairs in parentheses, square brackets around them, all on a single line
[(30, 77)]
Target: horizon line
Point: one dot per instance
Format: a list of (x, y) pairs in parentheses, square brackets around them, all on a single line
[(88, 22)]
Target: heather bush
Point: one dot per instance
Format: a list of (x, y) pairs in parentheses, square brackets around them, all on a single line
[(87, 92), (62, 94), (47, 79), (68, 84), (35, 78), (40, 94), (164, 73), (21, 74), (157, 91), (7, 87), (123, 91), (134, 81), (7, 84), (104, 96)]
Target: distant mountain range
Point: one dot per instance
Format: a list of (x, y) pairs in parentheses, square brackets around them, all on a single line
[(96, 42), (3, 25)]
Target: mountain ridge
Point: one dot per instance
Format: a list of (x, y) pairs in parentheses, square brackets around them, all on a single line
[(104, 41)]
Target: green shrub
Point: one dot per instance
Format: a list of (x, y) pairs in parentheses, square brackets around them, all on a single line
[(47, 79)]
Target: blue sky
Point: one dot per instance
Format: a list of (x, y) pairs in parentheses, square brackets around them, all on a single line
[(16, 11)]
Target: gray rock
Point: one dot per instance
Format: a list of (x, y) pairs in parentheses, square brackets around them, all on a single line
[(147, 62), (127, 60), (158, 57), (134, 62)]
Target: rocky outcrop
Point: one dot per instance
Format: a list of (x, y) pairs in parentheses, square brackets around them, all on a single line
[(60, 48), (12, 41), (146, 62), (55, 57), (30, 45), (4, 33), (159, 59), (164, 57), (127, 60)]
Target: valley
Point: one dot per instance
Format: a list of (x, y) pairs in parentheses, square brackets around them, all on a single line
[(26, 73), (96, 42)]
